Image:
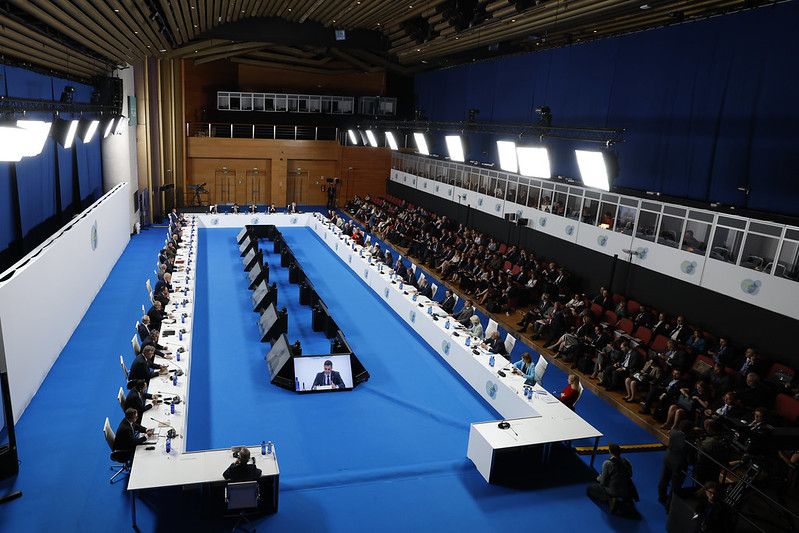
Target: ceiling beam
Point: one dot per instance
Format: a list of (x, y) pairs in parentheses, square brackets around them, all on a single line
[(269, 64), (231, 52), (191, 47), (351, 60)]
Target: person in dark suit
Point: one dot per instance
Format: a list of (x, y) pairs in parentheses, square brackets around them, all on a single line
[(665, 392), (156, 314), (143, 366), (754, 393), (661, 326), (272, 209), (495, 344), (465, 314), (753, 363), (138, 396), (615, 483), (166, 282), (631, 362), (674, 357), (712, 514), (675, 462), (328, 377), (680, 332), (242, 469), (143, 329), (152, 340), (163, 296), (129, 434), (425, 289), (724, 354), (448, 303)]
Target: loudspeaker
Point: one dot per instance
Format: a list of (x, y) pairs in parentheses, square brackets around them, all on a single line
[(9, 462), (109, 92)]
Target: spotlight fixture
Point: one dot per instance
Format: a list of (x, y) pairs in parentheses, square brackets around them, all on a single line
[(507, 156), (87, 128), (545, 118), (421, 143), (64, 131), (455, 148), (120, 125), (593, 169), (372, 139), (534, 161), (392, 141), (353, 137), (67, 94), (32, 136), (108, 127)]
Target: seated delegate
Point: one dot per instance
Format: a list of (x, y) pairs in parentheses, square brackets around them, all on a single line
[(129, 435), (242, 469), (526, 368)]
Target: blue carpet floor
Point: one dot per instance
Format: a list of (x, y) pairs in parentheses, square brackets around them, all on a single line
[(387, 456)]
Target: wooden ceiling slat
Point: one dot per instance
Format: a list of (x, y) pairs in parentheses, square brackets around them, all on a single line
[(14, 26), (284, 58), (230, 53), (146, 28), (190, 48), (80, 37), (99, 11), (20, 51), (171, 20), (58, 53)]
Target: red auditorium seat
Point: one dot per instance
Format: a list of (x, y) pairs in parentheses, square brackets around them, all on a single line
[(502, 248), (643, 334), (611, 318), (625, 326), (633, 307), (779, 373), (659, 344), (617, 298), (516, 269), (597, 311), (507, 266), (788, 408)]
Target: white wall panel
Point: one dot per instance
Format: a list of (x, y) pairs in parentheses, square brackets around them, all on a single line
[(45, 298)]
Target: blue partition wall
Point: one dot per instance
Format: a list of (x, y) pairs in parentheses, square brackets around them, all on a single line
[(39, 193), (709, 106)]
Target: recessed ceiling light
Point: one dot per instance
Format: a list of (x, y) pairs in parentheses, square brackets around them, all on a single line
[(410, 7), (195, 25), (289, 10), (645, 6), (456, 37), (136, 32), (162, 50), (594, 31), (195, 51), (418, 49)]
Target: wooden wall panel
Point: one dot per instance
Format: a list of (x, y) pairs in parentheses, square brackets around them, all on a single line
[(260, 79), (304, 180), (243, 182), (201, 83), (363, 170)]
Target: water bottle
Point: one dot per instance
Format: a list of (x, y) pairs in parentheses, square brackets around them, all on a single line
[(412, 297), (182, 319), (263, 447), (168, 445), (468, 341), (430, 310), (491, 361), (175, 380), (446, 324), (296, 383), (269, 448), (177, 355), (400, 285), (171, 408), (180, 333)]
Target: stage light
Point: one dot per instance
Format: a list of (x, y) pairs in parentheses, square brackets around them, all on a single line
[(67, 94), (32, 135), (593, 169), (118, 129), (108, 127), (455, 148), (87, 128), (392, 141), (372, 139), (421, 143), (534, 161), (353, 137), (9, 144), (364, 139), (507, 156), (64, 132)]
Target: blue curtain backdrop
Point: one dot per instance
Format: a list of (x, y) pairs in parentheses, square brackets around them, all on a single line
[(709, 106), (38, 178)]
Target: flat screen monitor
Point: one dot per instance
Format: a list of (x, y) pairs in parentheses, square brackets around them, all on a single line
[(259, 294), (278, 356), (254, 272), (268, 319), (248, 243), (339, 344), (322, 373), (242, 233), (249, 258)]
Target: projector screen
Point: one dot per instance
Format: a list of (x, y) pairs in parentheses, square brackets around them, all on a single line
[(323, 372)]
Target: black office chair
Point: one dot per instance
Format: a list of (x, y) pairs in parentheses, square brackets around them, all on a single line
[(242, 498)]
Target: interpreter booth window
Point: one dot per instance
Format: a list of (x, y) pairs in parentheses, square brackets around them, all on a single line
[(473, 181), (258, 102), (559, 201), (788, 264), (513, 187), (625, 218), (573, 204), (671, 226), (455, 175), (590, 211), (533, 196), (727, 239), (485, 183), (281, 103), (760, 249), (607, 213), (497, 187), (647, 222), (697, 232), (521, 193), (246, 102)]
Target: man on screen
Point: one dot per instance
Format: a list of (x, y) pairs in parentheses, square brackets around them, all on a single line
[(328, 377)]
